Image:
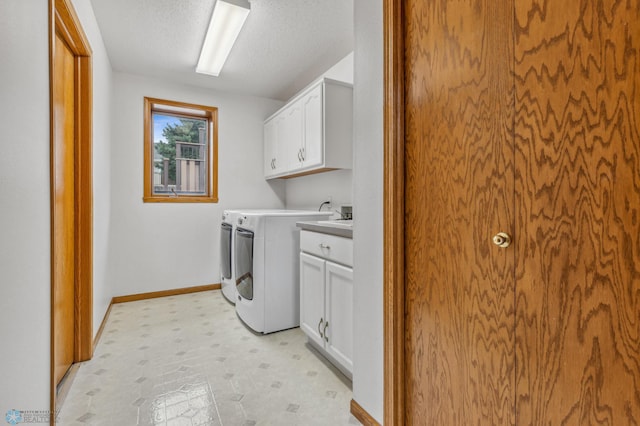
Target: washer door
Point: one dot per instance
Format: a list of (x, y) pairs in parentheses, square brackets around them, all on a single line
[(244, 263), (225, 250)]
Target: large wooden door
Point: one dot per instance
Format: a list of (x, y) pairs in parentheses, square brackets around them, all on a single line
[(578, 212), (63, 208), (71, 194), (459, 356), (521, 117)]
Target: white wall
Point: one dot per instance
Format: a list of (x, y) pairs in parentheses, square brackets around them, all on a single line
[(25, 273), (102, 88), (24, 209), (367, 208), (308, 192), (159, 246), (343, 70)]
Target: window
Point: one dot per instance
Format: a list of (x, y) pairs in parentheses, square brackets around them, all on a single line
[(180, 152)]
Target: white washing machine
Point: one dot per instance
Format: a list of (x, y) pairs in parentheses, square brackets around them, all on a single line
[(227, 267), (266, 248), (227, 244)]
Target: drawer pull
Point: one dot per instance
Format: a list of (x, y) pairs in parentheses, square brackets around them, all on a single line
[(324, 246)]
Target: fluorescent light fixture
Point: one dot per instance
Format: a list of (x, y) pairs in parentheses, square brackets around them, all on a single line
[(226, 22)]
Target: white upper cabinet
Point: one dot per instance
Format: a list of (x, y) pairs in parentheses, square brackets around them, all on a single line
[(292, 135), (270, 139), (312, 133), (276, 158), (311, 148)]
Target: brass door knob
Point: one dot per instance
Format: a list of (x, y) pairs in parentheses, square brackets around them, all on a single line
[(502, 239)]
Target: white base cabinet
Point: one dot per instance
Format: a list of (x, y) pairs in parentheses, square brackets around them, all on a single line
[(338, 329), (326, 298)]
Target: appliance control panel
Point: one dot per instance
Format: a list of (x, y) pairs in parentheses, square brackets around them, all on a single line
[(247, 222)]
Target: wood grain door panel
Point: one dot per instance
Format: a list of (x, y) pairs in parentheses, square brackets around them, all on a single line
[(459, 177), (578, 201), (63, 209), (522, 117)]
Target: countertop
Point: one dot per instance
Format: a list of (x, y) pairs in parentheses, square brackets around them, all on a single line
[(326, 228)]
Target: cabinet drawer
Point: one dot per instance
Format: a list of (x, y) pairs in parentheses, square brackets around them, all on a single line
[(330, 247)]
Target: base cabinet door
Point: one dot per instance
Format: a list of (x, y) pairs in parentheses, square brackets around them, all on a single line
[(312, 275), (338, 328), (326, 308)]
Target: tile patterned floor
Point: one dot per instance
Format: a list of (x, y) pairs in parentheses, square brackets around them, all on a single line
[(188, 360)]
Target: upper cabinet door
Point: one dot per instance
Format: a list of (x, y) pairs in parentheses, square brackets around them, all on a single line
[(313, 143), (292, 138), (270, 140)]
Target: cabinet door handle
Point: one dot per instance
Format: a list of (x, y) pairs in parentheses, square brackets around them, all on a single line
[(274, 163), (324, 246), (303, 153), (320, 331), (326, 338), (299, 155)]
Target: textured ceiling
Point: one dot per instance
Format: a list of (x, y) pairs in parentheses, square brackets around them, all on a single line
[(283, 45)]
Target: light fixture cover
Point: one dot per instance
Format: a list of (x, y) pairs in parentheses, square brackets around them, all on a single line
[(227, 20)]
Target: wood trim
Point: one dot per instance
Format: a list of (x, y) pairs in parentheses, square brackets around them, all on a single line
[(394, 397), (164, 293), (180, 199), (213, 158), (148, 150), (179, 104), (98, 335), (68, 26), (211, 114), (64, 21), (52, 363), (65, 384), (362, 415), (84, 212)]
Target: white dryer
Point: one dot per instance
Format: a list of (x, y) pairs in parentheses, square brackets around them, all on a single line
[(266, 248)]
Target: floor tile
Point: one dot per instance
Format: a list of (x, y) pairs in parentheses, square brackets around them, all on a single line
[(189, 360)]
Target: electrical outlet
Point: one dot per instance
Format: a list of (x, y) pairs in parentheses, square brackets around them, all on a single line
[(346, 212)]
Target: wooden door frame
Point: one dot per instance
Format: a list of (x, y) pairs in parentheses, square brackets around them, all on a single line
[(393, 237), (64, 22)]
